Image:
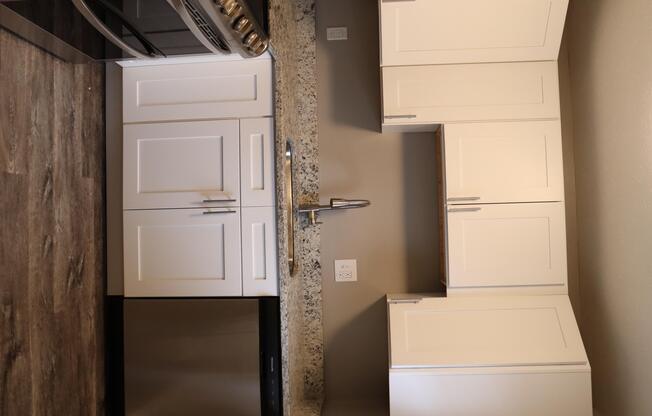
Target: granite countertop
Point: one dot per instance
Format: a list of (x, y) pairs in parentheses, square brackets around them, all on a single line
[(292, 32)]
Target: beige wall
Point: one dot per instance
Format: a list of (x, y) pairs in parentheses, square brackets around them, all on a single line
[(611, 77), (569, 178), (394, 240)]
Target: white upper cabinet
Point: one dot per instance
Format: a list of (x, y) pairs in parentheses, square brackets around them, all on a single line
[(257, 162), (198, 91), (422, 32), (503, 162), (507, 245), (181, 165), (182, 252), (434, 94), (484, 331)]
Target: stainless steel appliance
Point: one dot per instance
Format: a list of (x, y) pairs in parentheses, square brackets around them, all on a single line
[(81, 30), (201, 357)]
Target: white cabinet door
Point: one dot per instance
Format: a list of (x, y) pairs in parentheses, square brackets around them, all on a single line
[(503, 245), (484, 331), (179, 165), (421, 32), (503, 162), (182, 252), (259, 270), (437, 94), (198, 91), (257, 162)]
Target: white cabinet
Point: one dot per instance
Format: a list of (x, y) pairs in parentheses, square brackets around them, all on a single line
[(503, 162), (181, 165), (421, 32), (501, 245), (198, 91), (259, 271), (434, 94), (199, 215), (483, 331), (257, 159), (465, 355), (182, 252)]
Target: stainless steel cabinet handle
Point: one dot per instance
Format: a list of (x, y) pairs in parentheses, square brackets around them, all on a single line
[(403, 301), (470, 209), (207, 201), (230, 211), (402, 116), (463, 198)]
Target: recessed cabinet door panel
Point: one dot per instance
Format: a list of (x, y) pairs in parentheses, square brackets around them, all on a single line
[(257, 162), (197, 91), (421, 32), (503, 162), (181, 165), (484, 331), (503, 245), (482, 92), (259, 276), (185, 252)]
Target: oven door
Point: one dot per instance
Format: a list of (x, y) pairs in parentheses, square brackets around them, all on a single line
[(191, 356)]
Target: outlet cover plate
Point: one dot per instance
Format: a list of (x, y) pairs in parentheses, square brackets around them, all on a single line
[(346, 270), (337, 33)]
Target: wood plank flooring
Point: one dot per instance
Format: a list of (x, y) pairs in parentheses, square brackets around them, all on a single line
[(51, 233)]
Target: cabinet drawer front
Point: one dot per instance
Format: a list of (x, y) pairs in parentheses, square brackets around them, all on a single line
[(198, 91), (503, 162), (518, 245), (421, 32), (482, 92), (179, 165), (257, 162), (259, 269), (182, 253)]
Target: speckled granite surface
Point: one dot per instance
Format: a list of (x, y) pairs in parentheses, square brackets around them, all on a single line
[(292, 30)]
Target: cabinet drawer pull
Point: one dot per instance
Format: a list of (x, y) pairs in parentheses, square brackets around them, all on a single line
[(463, 198), (207, 201), (473, 209), (402, 116), (230, 211)]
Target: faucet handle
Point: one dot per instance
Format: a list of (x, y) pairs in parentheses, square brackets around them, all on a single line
[(341, 203)]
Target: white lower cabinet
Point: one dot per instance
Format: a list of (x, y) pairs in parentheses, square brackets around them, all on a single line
[(506, 245), (181, 165), (259, 268), (197, 91), (487, 355), (182, 252), (257, 162)]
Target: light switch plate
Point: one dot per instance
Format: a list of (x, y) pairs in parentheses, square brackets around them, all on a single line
[(346, 270), (337, 33)]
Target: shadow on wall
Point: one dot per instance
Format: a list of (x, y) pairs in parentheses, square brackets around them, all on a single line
[(600, 82), (421, 219)]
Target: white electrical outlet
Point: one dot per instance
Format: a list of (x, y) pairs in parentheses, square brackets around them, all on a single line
[(346, 270), (337, 33)]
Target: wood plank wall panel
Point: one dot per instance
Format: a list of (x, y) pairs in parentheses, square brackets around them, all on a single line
[(51, 233)]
